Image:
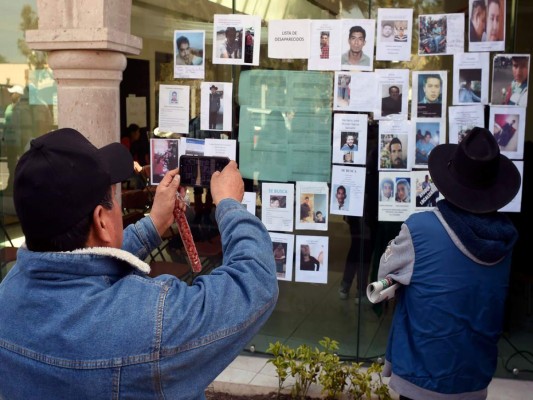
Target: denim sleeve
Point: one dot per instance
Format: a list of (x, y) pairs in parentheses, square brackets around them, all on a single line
[(206, 325), (141, 238)]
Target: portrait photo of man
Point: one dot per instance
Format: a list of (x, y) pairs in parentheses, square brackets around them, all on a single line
[(430, 95), (510, 79), (392, 104), (187, 55), (356, 42), (324, 45)]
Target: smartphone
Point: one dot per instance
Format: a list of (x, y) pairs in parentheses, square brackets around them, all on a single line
[(197, 170)]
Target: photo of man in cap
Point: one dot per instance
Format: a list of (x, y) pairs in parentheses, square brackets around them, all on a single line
[(453, 264)]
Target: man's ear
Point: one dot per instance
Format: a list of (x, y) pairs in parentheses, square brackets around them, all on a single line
[(99, 234)]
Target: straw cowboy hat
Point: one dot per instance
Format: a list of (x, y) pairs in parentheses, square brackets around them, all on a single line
[(473, 175)]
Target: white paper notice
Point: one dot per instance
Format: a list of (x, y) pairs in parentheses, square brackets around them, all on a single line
[(221, 147), (277, 209), (189, 50), (325, 40), (312, 259), (396, 205), (424, 191), (136, 110), (355, 91), (236, 39), (426, 135), (392, 93), (429, 94), (507, 124), (462, 119), (349, 138), (492, 36), (312, 212), (471, 78), (174, 108), (249, 201), (441, 34), (357, 45), (283, 248), (216, 106), (289, 38), (347, 190), (395, 153), (393, 38)]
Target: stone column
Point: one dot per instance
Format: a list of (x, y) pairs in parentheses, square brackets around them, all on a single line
[(87, 42)]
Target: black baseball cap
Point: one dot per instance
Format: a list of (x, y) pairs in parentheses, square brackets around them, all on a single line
[(62, 178)]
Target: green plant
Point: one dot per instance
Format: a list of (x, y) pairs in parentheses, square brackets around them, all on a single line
[(308, 366)]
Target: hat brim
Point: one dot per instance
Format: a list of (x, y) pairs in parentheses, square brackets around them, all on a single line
[(118, 160), (470, 198)]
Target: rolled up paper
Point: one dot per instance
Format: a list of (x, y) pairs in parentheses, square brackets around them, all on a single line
[(383, 289)]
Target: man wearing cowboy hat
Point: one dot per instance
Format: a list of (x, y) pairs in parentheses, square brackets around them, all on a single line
[(214, 107), (453, 266)]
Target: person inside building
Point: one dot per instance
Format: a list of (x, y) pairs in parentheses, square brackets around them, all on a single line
[(453, 265), (85, 319)]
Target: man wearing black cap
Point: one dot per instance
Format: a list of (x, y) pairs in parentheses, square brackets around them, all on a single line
[(453, 266), (80, 317)]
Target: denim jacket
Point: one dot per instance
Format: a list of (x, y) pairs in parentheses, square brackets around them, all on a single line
[(89, 324)]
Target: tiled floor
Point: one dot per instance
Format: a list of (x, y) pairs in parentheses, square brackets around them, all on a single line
[(251, 375)]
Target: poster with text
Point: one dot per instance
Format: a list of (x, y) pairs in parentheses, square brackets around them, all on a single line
[(311, 259), (164, 156), (354, 91), (349, 138), (510, 79), (236, 39), (393, 37), (174, 108), (283, 249), (441, 34), (395, 203), (216, 106), (507, 124), (325, 41), (312, 198), (427, 134), (429, 94), (277, 211), (189, 54), (462, 119), (289, 38), (423, 191), (395, 153), (347, 190), (487, 25), (393, 93), (471, 78)]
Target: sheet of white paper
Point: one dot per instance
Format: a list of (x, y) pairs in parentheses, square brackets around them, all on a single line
[(354, 91), (174, 108), (249, 201), (423, 191), (362, 46), (516, 204), (311, 259), (462, 119), (190, 61), (312, 198), (506, 89), (390, 82), (325, 42), (349, 138), (494, 34), (507, 124), (216, 115), (429, 94), (400, 157), (164, 156), (221, 147), (471, 78), (347, 190), (441, 34), (395, 46), (277, 208), (422, 145), (399, 205), (289, 38), (283, 248), (236, 39)]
